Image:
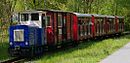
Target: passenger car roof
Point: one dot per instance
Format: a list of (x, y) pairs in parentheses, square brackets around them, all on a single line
[(83, 15), (89, 15), (110, 16), (77, 14), (99, 16)]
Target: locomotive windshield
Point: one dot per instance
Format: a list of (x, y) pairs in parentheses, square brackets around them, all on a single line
[(24, 17), (34, 17)]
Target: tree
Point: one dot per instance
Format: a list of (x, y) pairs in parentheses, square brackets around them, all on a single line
[(7, 8)]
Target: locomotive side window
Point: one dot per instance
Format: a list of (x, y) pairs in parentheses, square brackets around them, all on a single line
[(24, 17), (34, 17)]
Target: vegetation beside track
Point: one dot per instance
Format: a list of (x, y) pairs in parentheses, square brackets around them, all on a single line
[(87, 52), (4, 49)]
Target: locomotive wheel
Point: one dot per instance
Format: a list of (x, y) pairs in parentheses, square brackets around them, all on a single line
[(31, 52)]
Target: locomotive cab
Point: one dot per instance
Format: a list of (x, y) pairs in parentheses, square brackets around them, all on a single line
[(33, 18)]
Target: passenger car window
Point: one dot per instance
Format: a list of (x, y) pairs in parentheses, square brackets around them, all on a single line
[(59, 20), (48, 20)]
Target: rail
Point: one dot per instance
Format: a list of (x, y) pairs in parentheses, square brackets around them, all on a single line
[(14, 60)]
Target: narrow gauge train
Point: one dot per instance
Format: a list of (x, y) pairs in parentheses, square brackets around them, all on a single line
[(52, 28)]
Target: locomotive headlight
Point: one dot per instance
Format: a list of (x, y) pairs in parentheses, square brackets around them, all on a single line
[(11, 43), (26, 43)]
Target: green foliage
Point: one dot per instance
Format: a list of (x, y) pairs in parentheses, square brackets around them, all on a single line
[(4, 47), (19, 6), (105, 7)]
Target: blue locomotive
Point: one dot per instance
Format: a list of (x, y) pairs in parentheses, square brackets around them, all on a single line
[(27, 37)]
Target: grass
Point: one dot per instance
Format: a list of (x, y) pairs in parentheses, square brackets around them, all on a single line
[(4, 51), (87, 52), (4, 48)]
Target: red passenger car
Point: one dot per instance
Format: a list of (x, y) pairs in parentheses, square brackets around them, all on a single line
[(119, 24), (69, 27), (61, 27)]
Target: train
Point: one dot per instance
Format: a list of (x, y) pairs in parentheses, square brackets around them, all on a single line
[(41, 29)]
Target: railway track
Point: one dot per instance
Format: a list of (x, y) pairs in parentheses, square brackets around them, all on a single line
[(127, 32), (14, 60)]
